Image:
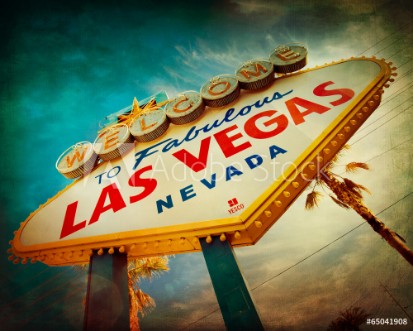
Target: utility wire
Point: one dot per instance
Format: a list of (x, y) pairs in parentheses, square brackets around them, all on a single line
[(358, 226), (388, 36), (404, 63), (308, 256), (26, 280), (378, 127), (385, 114), (322, 248), (397, 93), (397, 302), (52, 304), (319, 250), (398, 145), (392, 43), (21, 297)]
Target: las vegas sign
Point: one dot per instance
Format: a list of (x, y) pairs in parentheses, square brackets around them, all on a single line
[(227, 161)]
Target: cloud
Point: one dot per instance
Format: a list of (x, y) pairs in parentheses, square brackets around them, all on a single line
[(197, 62), (258, 7), (366, 7)]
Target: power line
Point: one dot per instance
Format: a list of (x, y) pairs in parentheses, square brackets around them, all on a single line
[(391, 44), (26, 280), (378, 155), (397, 302), (380, 126), (385, 114), (404, 63), (388, 99), (397, 93), (319, 250), (39, 313), (44, 295), (388, 36), (21, 297), (307, 257), (316, 252), (389, 57), (405, 74)]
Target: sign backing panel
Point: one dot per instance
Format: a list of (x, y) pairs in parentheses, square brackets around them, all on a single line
[(232, 172)]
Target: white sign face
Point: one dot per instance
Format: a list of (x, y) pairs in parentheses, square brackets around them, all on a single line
[(215, 172)]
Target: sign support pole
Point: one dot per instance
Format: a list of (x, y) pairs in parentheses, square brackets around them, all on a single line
[(107, 298), (234, 299)]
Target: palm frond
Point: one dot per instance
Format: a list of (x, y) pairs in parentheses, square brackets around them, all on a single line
[(352, 188), (335, 158), (354, 166), (340, 203), (345, 147), (312, 199), (349, 183), (354, 316), (147, 267), (318, 180), (350, 319), (363, 188), (355, 188), (140, 302), (145, 302)]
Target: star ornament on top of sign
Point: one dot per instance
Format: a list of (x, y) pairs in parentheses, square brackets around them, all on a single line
[(227, 161)]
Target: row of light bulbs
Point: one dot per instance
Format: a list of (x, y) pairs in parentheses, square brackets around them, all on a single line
[(147, 123)]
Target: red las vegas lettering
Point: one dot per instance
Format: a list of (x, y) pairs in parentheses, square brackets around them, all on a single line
[(110, 199)]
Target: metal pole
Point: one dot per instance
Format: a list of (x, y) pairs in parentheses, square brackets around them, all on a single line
[(234, 299), (107, 298)]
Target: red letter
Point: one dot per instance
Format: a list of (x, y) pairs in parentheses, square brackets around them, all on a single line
[(193, 162), (345, 93), (311, 107), (253, 131), (69, 225), (115, 198), (148, 184), (226, 142)]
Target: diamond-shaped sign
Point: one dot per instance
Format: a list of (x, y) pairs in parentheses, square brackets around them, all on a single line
[(232, 172)]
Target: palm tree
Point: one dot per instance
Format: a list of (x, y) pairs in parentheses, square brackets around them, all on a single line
[(139, 301), (138, 268), (348, 194), (349, 320)]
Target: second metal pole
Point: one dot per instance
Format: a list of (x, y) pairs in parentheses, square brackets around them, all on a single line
[(107, 299), (234, 299)]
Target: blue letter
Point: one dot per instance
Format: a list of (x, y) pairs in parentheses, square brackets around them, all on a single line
[(254, 161), (187, 192), (210, 184), (275, 150), (232, 171), (168, 204)]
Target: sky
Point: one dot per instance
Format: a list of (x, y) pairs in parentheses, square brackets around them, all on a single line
[(66, 65)]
